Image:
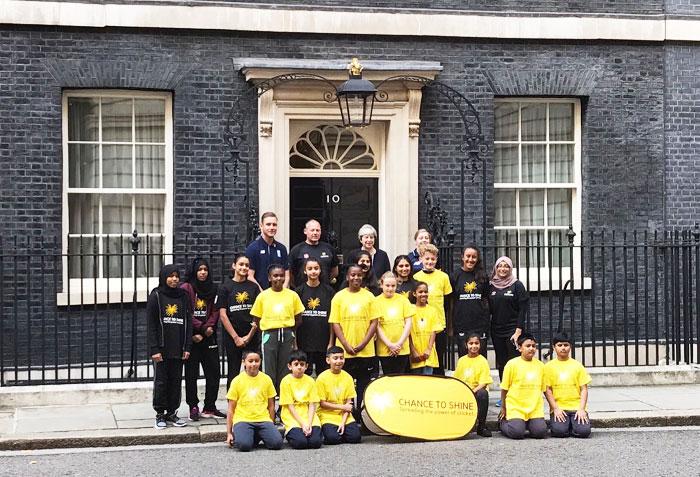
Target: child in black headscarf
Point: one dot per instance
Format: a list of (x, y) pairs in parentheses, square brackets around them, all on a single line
[(201, 291), (170, 341)]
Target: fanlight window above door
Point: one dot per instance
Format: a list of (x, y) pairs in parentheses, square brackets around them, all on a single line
[(331, 147)]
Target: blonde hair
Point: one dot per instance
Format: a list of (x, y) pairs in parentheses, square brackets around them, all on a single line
[(428, 248), (386, 275)]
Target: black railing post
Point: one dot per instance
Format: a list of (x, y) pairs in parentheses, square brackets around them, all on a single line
[(570, 236), (135, 240)]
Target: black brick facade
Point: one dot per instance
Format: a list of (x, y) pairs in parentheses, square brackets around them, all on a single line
[(640, 142)]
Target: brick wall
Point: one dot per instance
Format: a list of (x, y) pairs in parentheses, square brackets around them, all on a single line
[(621, 86), (682, 135)]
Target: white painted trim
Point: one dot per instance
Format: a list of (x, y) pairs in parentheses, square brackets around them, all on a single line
[(398, 207), (456, 24)]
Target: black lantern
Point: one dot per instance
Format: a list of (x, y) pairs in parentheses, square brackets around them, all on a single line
[(356, 98)]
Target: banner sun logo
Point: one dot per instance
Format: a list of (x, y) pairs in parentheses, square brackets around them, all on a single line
[(200, 304), (171, 310)]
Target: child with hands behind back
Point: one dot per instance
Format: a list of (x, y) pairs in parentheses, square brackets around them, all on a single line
[(473, 370)]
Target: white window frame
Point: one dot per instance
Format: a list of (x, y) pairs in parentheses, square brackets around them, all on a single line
[(530, 276), (76, 291)]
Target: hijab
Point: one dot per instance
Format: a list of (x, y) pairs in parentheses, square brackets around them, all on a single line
[(204, 289), (163, 287), (501, 283)]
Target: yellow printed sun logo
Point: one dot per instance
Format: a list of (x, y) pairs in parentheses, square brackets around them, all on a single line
[(313, 303), (469, 287), (241, 297), (200, 304), (171, 310)]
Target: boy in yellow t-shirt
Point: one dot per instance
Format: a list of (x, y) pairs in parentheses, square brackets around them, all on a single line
[(336, 393), (299, 400), (354, 329), (251, 408), (473, 370), (567, 391), (522, 406), (277, 311), (426, 324), (393, 312), (439, 287)]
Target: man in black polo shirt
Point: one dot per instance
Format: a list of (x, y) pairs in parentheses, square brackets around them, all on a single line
[(264, 251), (313, 247)]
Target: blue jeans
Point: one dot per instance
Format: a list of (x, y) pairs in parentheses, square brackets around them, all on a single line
[(246, 435)]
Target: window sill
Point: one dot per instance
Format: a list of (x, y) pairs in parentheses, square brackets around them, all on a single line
[(103, 291), (541, 283)]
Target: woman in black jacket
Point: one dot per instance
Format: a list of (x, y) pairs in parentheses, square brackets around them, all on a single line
[(367, 235), (509, 304)]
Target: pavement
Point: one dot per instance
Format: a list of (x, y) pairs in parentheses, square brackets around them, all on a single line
[(120, 414)]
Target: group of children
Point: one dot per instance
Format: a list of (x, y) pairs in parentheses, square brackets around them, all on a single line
[(343, 338)]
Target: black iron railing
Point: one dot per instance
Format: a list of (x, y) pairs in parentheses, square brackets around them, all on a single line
[(79, 316)]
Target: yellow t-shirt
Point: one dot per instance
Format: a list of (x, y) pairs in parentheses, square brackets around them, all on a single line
[(251, 394), (438, 286), (392, 313), (566, 378), (425, 321), (352, 311), (473, 371), (299, 392), (276, 309), (337, 389), (524, 381)]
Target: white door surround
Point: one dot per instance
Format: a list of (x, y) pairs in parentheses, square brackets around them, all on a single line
[(395, 121)]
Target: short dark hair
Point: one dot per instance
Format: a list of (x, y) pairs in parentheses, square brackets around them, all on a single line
[(274, 266), (247, 352), (334, 350), (297, 355), (524, 336), (561, 337)]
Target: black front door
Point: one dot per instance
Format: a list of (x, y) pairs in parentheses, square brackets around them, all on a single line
[(341, 204)]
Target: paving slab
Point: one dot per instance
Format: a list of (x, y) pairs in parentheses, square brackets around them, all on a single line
[(128, 412), (7, 423), (64, 418)]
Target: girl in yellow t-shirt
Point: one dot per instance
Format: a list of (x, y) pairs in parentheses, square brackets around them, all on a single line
[(354, 329), (278, 312), (393, 312), (473, 370), (251, 408), (426, 324)]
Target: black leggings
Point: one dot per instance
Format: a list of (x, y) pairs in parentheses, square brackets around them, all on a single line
[(505, 351), (234, 355)]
